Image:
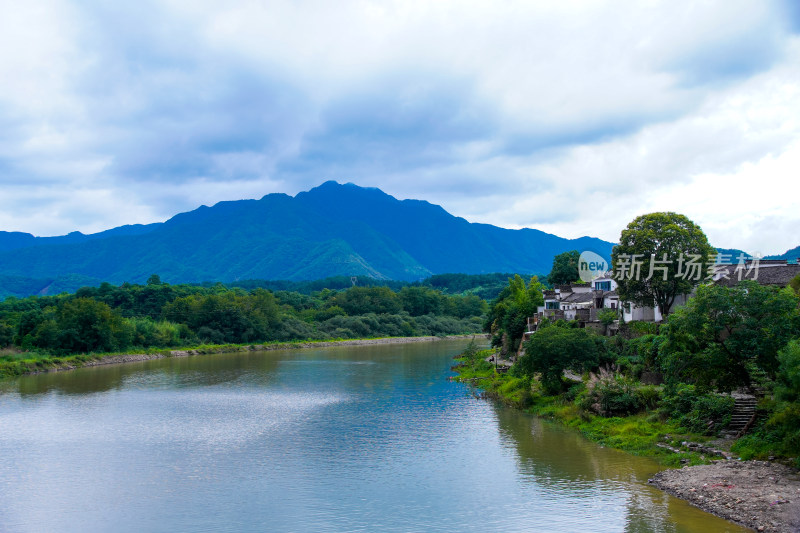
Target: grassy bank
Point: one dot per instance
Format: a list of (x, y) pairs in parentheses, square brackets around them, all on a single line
[(638, 434), (15, 363)]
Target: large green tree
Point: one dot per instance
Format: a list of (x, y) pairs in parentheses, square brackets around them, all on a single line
[(361, 300), (565, 268), (723, 334), (659, 257), (509, 312), (553, 349)]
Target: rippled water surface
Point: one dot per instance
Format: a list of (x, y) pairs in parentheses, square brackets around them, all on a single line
[(370, 438)]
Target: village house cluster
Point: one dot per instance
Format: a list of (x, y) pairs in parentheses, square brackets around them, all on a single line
[(584, 301)]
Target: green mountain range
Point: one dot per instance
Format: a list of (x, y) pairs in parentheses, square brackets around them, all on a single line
[(331, 230)]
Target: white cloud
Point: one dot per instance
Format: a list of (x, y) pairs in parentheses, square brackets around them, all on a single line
[(730, 164), (570, 117)]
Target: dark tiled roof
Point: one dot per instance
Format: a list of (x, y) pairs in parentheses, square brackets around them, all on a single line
[(766, 275), (611, 294), (772, 262), (579, 297)]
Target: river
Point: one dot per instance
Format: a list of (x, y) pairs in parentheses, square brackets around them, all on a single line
[(368, 438)]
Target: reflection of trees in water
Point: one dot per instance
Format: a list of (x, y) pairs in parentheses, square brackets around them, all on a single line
[(199, 370), (563, 460), (549, 452), (422, 360)]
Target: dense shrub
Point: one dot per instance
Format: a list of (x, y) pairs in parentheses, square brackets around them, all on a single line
[(649, 396), (148, 332), (722, 334), (553, 349), (780, 435), (642, 350), (702, 413), (6, 334), (508, 314), (612, 395), (637, 328)]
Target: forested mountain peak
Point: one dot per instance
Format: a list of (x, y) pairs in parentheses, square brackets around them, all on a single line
[(331, 230)]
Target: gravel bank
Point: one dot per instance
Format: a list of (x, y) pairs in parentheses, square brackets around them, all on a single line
[(756, 494)]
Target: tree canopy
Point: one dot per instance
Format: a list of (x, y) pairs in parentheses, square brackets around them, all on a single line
[(565, 268), (659, 257), (110, 318), (509, 312), (553, 349), (722, 334)]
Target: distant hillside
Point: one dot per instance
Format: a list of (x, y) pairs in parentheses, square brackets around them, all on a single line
[(486, 286), (21, 286), (731, 255), (792, 254), (14, 240), (331, 230)]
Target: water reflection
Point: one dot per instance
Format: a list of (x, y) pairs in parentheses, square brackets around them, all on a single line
[(171, 372), (562, 461), (337, 439)]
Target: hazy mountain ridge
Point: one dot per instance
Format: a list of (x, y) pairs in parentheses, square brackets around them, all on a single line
[(13, 240), (331, 230)]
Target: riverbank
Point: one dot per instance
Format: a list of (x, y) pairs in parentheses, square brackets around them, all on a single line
[(760, 495), (60, 364), (640, 434), (756, 494)]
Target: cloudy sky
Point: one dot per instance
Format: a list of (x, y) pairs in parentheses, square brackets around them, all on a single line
[(568, 116)]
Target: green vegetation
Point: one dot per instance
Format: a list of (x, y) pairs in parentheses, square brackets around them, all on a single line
[(485, 286), (554, 349), (158, 316), (795, 284), (780, 434), (509, 312), (702, 413), (638, 433), (673, 253), (20, 286), (565, 268), (724, 339)]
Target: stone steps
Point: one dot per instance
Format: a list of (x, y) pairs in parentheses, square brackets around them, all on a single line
[(743, 412)]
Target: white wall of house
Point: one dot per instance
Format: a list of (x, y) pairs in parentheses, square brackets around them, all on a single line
[(632, 312), (611, 302), (650, 314)]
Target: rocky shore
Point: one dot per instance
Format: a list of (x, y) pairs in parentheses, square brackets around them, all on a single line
[(761, 495), (134, 358)]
